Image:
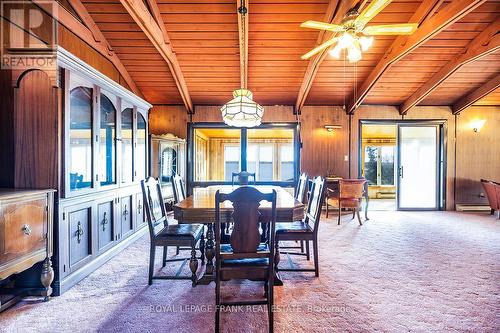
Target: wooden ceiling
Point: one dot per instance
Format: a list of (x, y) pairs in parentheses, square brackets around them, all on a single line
[(188, 52)]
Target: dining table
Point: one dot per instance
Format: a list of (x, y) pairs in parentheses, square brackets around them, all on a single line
[(200, 208)]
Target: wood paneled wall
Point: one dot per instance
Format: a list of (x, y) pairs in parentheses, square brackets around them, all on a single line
[(165, 119), (72, 43), (323, 152), (478, 154), (336, 153)]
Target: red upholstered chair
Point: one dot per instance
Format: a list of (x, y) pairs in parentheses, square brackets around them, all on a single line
[(492, 190), (350, 195)]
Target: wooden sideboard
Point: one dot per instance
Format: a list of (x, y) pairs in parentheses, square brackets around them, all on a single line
[(25, 239)]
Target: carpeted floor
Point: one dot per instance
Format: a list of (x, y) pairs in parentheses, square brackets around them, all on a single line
[(399, 272)]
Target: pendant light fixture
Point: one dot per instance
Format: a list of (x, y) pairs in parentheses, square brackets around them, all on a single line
[(242, 111)]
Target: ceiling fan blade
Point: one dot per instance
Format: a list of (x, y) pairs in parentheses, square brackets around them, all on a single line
[(391, 29), (373, 9), (319, 48), (322, 26)]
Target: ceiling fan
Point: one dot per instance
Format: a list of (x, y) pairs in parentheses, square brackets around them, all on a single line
[(352, 34)]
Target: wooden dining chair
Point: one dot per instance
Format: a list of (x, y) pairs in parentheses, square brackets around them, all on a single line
[(179, 195), (164, 235), (350, 196), (305, 230), (243, 177), (245, 257), (300, 192), (301, 188)]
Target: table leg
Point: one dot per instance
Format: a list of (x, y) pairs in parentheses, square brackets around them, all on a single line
[(209, 255), (277, 278)]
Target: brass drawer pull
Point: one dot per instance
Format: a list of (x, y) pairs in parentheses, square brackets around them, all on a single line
[(79, 232), (104, 222), (26, 229)]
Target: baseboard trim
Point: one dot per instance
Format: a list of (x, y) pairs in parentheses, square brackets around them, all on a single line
[(472, 208)]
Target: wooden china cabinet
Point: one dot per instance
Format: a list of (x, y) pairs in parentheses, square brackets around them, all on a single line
[(104, 158), (72, 129)]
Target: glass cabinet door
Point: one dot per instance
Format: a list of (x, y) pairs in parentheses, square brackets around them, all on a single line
[(80, 152), (141, 147), (127, 145), (107, 147), (168, 163)]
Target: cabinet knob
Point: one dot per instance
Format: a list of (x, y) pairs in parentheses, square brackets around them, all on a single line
[(26, 229)]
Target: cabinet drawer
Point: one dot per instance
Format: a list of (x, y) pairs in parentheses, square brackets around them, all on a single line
[(105, 219), (79, 235), (24, 229)]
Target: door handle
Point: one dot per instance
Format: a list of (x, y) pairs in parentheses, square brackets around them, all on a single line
[(401, 171)]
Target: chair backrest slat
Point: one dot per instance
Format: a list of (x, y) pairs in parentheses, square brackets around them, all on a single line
[(246, 234), (301, 187), (154, 207), (316, 198), (178, 187)]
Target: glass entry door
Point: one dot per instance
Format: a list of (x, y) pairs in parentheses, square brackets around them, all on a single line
[(418, 162)]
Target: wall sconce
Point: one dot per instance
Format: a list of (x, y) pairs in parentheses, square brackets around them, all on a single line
[(330, 128), (477, 125)]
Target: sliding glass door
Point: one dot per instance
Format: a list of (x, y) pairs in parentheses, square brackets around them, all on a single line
[(216, 151), (419, 161)]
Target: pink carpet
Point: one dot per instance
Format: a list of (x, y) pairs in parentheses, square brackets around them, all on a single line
[(401, 271)]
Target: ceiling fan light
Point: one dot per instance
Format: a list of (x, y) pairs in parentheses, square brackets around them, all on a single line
[(365, 42), (346, 40), (335, 52), (242, 111), (353, 54)]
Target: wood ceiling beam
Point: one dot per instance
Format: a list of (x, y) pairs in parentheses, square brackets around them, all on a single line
[(243, 42), (153, 6), (90, 33), (473, 97), (430, 27), (334, 14), (484, 44), (145, 20)]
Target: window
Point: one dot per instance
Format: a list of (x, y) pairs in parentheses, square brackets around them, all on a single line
[(270, 154), (80, 139), (286, 160), (127, 144), (216, 154), (379, 165), (107, 147), (141, 147), (231, 161), (260, 160), (218, 151)]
